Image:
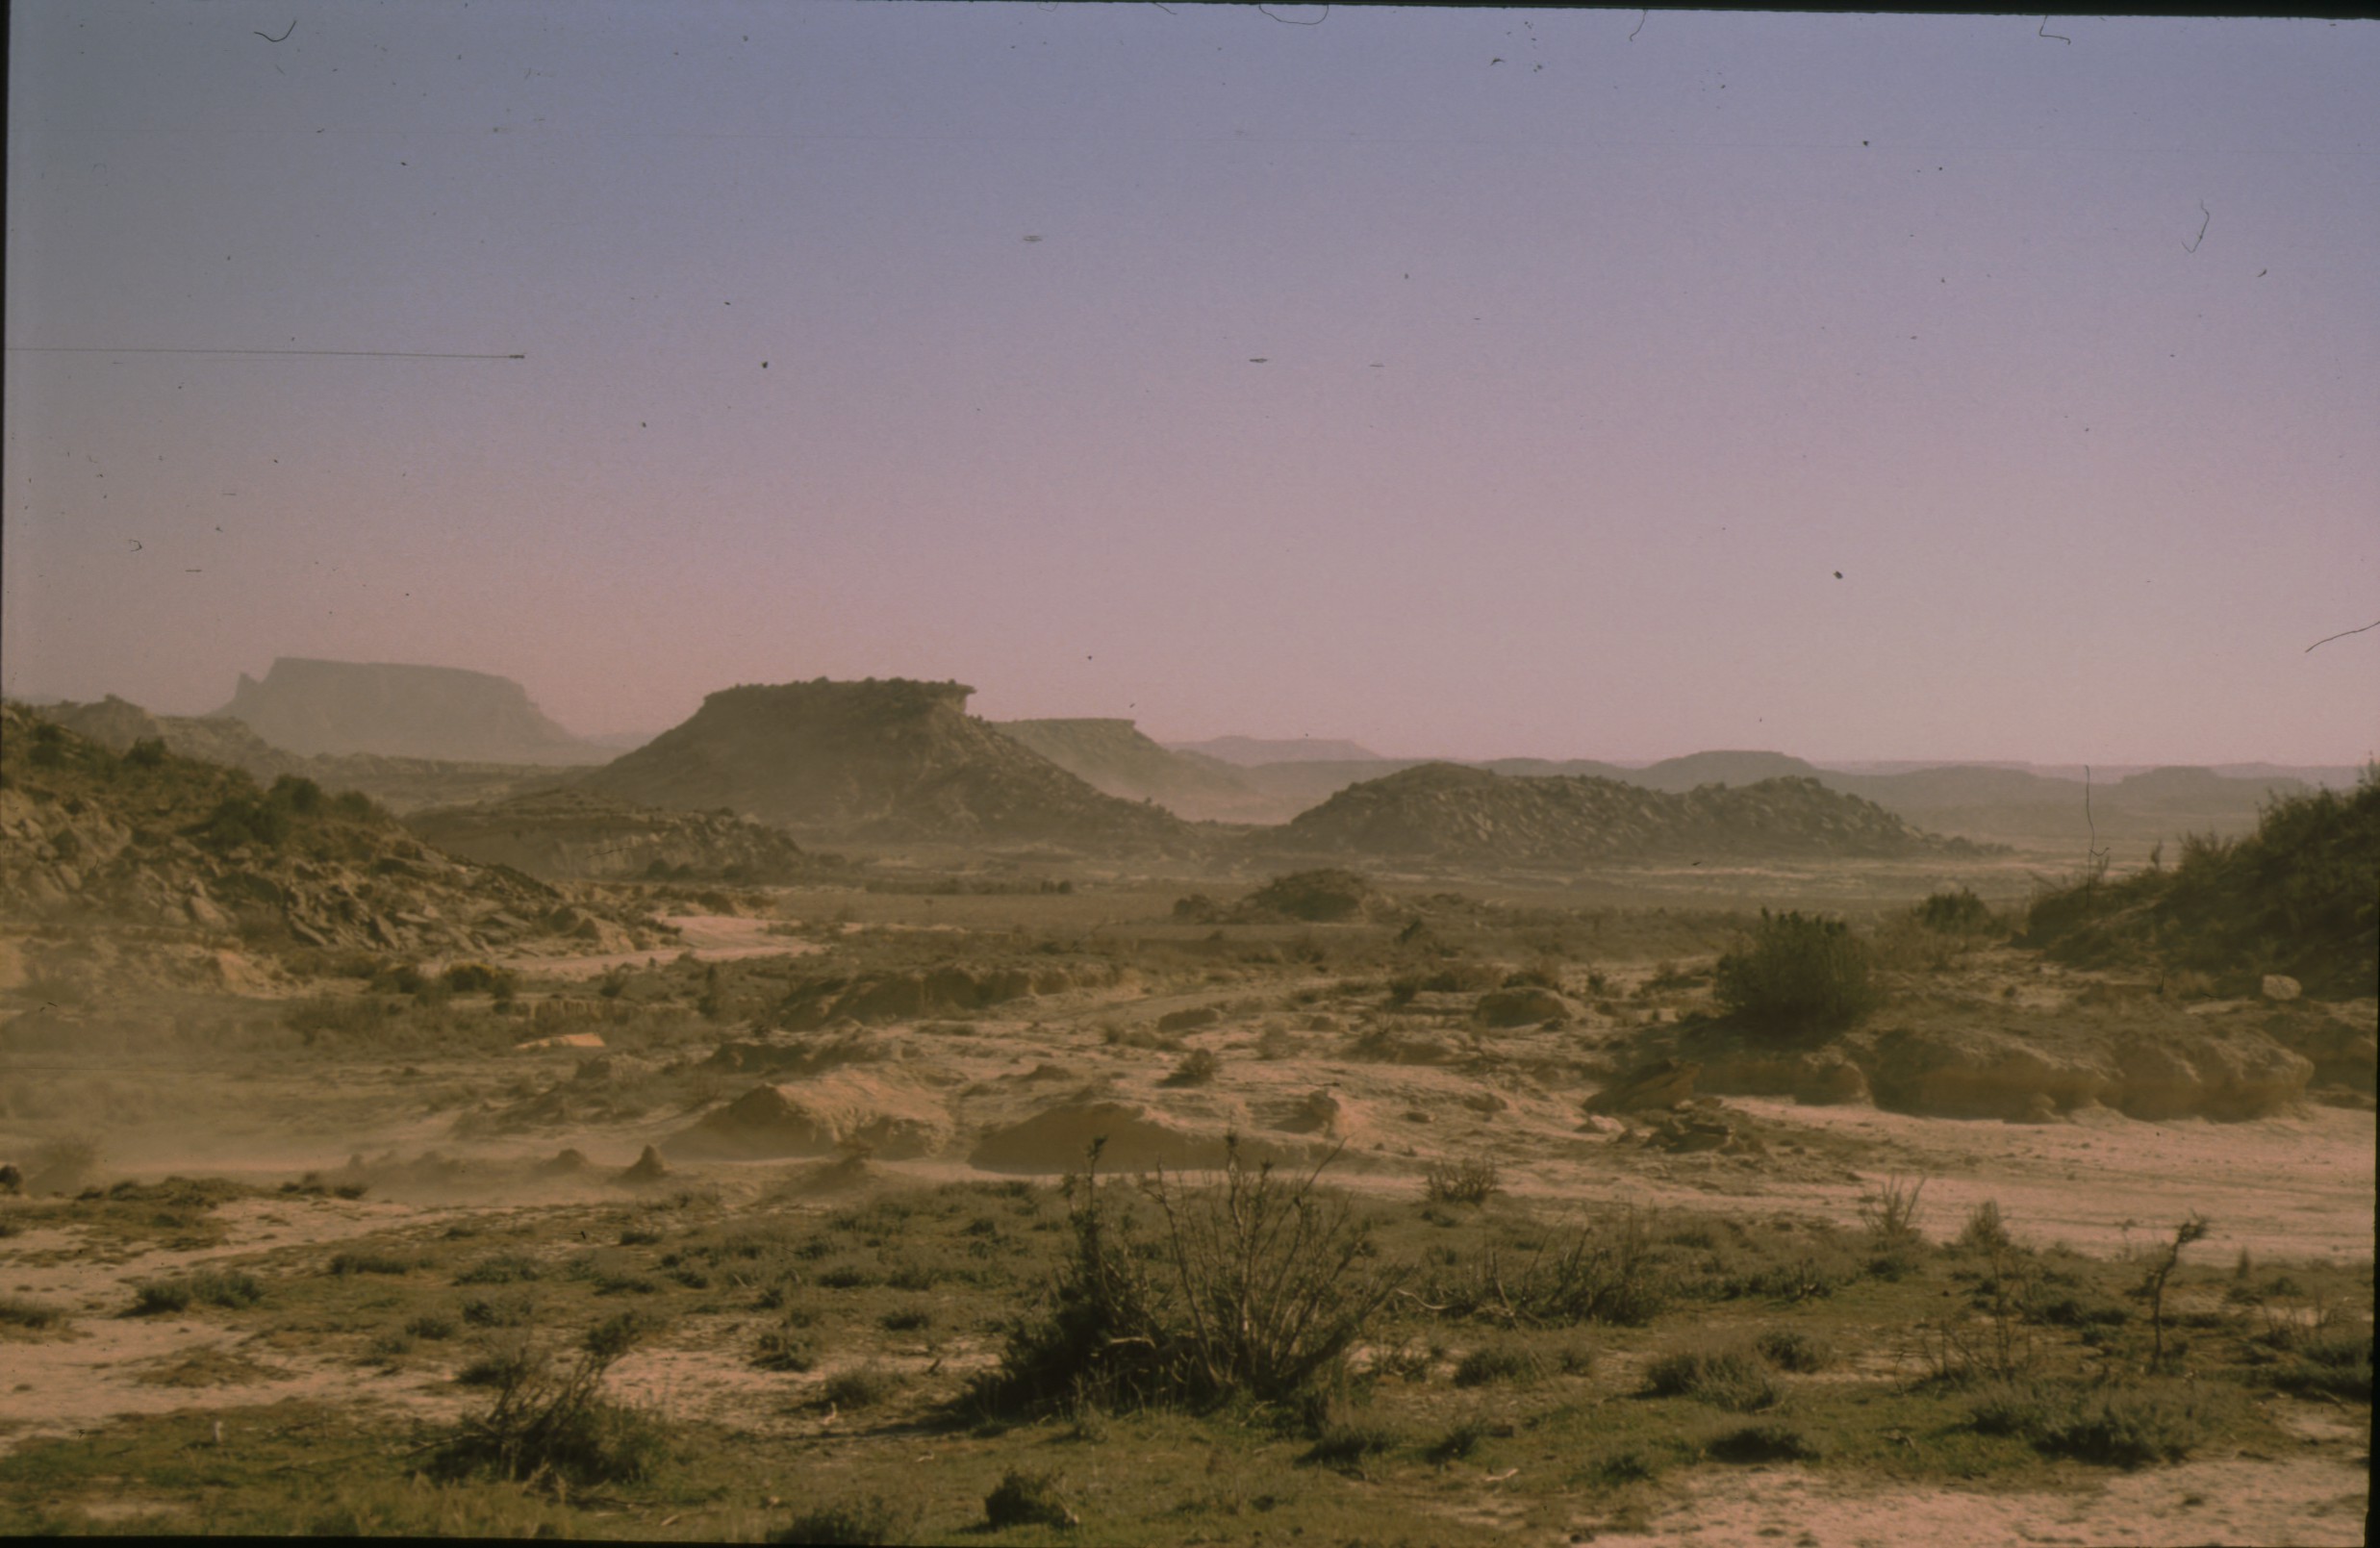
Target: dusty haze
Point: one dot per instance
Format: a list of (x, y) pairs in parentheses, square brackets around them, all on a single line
[(1573, 384)]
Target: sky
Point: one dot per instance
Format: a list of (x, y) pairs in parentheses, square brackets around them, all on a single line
[(1464, 383)]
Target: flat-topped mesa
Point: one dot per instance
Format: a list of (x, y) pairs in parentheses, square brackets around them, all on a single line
[(893, 759), (402, 710)]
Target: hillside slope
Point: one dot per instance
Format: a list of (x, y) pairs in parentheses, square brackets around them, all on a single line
[(895, 760), (1452, 813), (400, 710), (2300, 896), (575, 833), (1112, 756), (156, 841)]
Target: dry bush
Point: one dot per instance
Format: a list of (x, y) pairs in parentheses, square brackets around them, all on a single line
[(1256, 1284), (1470, 1182), (555, 1423)]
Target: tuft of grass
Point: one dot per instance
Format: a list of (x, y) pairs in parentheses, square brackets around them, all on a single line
[(30, 1315), (1734, 1378), (344, 1264), (1491, 1364), (214, 1287), (1767, 1443), (504, 1268), (1197, 1068), (858, 1521), (863, 1387), (1030, 1500), (1795, 1352), (1347, 1444)]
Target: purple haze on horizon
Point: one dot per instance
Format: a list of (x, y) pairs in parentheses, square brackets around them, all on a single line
[(1474, 382)]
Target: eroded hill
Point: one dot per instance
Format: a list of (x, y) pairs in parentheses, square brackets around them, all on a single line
[(895, 760), (1446, 813)]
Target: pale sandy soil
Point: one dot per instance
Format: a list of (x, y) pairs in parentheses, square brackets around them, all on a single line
[(710, 937)]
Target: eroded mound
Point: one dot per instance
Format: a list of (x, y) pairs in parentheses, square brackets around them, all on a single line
[(852, 1111), (894, 760), (1130, 1138), (1451, 813)]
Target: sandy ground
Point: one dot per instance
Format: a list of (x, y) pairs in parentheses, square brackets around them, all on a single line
[(710, 937)]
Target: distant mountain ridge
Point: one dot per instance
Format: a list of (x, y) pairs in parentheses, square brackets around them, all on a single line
[(1246, 750), (401, 710), (1116, 758), (897, 760), (399, 783)]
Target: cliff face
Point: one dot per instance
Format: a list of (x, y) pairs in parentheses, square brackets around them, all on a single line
[(1449, 812), (892, 760), (404, 711)]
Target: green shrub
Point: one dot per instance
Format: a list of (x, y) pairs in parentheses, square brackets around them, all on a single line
[(148, 753), (1798, 974)]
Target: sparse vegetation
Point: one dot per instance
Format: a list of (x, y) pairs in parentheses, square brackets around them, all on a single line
[(1257, 1283)]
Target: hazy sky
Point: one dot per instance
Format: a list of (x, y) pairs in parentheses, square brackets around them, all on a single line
[(1459, 382)]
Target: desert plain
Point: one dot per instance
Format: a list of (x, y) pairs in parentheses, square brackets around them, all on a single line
[(845, 1120)]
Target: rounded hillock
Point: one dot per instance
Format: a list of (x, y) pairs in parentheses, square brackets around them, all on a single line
[(1451, 813)]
